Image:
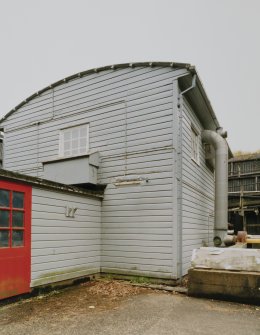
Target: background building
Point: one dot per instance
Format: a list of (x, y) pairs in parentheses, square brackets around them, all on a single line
[(244, 191)]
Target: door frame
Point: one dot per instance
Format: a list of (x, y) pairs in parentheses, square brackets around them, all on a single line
[(16, 280)]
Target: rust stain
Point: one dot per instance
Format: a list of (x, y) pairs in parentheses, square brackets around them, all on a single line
[(12, 286)]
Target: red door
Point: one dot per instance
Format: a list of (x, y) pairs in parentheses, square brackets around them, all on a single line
[(15, 239)]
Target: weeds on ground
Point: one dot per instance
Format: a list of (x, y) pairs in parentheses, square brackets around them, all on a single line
[(140, 280)]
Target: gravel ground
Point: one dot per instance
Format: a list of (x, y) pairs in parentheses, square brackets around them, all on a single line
[(116, 307)]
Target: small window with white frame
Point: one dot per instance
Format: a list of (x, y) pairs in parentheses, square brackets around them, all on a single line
[(194, 145), (74, 141)]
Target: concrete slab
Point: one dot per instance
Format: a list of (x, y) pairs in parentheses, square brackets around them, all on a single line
[(228, 285)]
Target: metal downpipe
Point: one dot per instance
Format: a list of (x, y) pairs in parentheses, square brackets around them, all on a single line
[(221, 180)]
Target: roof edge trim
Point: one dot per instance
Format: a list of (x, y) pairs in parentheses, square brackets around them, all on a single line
[(95, 70), (39, 182)]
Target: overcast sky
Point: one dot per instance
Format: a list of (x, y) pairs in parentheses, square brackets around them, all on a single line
[(43, 41)]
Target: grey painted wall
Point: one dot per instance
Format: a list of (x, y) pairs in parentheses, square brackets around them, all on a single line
[(197, 192), (64, 247), (134, 124)]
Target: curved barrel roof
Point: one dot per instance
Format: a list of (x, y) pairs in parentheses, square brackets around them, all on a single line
[(197, 96)]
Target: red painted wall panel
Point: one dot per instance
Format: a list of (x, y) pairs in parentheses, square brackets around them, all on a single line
[(15, 238)]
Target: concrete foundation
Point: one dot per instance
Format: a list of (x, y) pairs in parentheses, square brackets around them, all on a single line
[(227, 285)]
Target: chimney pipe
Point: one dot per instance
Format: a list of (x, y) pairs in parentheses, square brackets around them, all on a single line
[(221, 181)]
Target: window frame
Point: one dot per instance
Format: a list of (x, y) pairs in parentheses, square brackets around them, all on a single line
[(195, 148), (12, 228), (62, 132)]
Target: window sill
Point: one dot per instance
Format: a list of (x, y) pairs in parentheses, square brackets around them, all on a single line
[(196, 162)]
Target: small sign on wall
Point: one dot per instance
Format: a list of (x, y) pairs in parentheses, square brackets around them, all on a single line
[(70, 211)]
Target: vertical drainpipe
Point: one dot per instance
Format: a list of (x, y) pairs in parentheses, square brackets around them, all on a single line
[(216, 139), (1, 149), (179, 176)]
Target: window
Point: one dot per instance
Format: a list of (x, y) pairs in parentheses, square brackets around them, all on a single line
[(74, 141), (11, 219), (194, 145)]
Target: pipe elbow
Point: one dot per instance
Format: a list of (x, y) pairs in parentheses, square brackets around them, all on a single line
[(215, 139)]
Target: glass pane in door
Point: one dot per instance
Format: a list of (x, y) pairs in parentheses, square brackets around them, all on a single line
[(4, 238), (18, 200), (17, 238), (4, 218), (4, 198), (18, 220)]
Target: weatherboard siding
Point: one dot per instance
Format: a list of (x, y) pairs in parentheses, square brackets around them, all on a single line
[(64, 247), (137, 226), (130, 113), (131, 116), (32, 135), (197, 192), (137, 219)]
